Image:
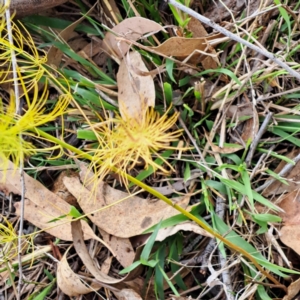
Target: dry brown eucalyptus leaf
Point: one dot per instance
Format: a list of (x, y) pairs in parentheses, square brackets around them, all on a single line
[(105, 267), (290, 236), (127, 294), (292, 290), (107, 281), (40, 216), (289, 233), (198, 31), (135, 92), (182, 48), (131, 29), (122, 248), (61, 191), (290, 203), (70, 283), (128, 218), (42, 206)]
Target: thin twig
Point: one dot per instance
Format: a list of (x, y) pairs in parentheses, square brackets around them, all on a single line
[(257, 138), (287, 168), (107, 98), (297, 89), (21, 165), (234, 37)]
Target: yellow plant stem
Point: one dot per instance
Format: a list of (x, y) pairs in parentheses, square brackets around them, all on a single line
[(166, 200)]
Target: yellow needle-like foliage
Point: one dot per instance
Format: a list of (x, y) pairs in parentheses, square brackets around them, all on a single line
[(14, 128), (17, 123), (30, 61), (125, 142), (8, 241)]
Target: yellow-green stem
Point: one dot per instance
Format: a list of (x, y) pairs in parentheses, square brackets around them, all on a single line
[(165, 199)]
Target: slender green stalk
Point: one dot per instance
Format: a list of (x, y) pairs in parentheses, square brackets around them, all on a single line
[(165, 199)]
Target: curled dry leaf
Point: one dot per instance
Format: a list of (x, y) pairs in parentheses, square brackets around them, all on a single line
[(107, 281), (131, 29), (121, 218), (86, 258), (292, 176), (135, 92), (70, 283)]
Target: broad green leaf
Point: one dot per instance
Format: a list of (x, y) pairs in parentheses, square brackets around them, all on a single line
[(187, 172), (86, 135), (168, 93), (74, 212), (170, 68), (130, 268), (247, 183), (43, 294), (150, 263), (158, 276), (266, 218)]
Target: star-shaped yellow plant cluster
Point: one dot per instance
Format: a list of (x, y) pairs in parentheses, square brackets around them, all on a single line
[(126, 142)]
